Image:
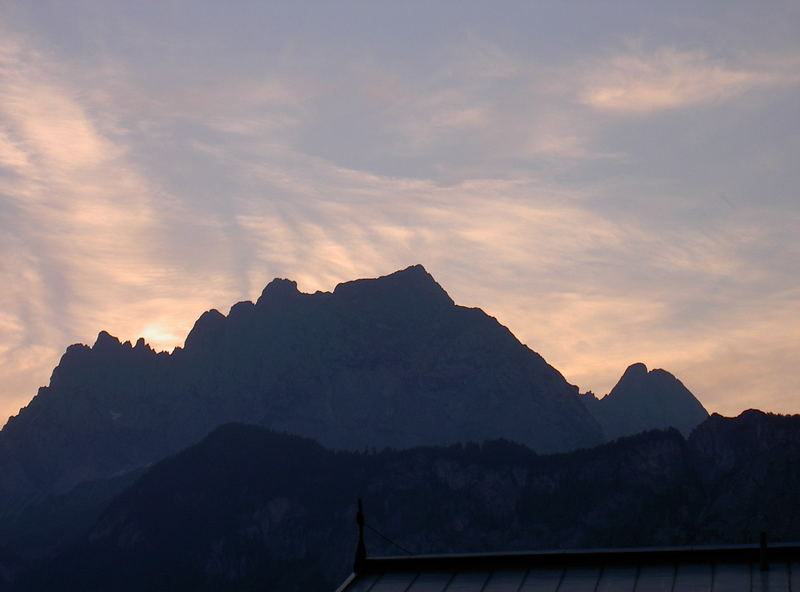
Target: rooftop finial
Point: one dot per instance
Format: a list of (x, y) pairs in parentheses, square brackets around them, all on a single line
[(361, 549)]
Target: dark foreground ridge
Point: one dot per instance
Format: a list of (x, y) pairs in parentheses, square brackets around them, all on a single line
[(248, 508)]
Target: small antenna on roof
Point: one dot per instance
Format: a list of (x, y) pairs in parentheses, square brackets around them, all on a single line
[(361, 549)]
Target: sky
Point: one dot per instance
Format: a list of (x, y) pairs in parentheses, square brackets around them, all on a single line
[(613, 181)]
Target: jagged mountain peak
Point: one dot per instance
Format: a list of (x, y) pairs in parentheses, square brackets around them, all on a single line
[(106, 341), (413, 271), (634, 371), (637, 376), (644, 400), (412, 285), (205, 328), (278, 289), (109, 345)]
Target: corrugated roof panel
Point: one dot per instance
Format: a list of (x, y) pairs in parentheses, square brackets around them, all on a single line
[(689, 569), (579, 579), (693, 578), (363, 583), (506, 580), (542, 580), (774, 579), (794, 575), (656, 578), (731, 577), (431, 582), (617, 579), (468, 581), (394, 582)]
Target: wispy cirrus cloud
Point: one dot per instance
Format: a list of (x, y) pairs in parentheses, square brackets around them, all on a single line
[(166, 176), (638, 82), (82, 227)]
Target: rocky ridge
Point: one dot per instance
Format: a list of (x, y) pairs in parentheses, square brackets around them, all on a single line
[(390, 361)]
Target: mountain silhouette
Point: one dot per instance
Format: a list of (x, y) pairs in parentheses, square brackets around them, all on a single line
[(643, 400), (379, 362)]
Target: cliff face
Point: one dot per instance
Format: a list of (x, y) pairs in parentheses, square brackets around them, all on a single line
[(383, 362), (643, 400), (752, 473), (248, 507)]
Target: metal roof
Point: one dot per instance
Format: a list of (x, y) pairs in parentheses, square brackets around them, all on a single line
[(674, 569)]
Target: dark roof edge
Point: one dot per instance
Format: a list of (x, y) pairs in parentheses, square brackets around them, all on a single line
[(346, 583), (586, 557)]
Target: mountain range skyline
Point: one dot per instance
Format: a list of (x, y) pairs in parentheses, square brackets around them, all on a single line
[(517, 274), (288, 286), (615, 182), (391, 361), (253, 415)]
